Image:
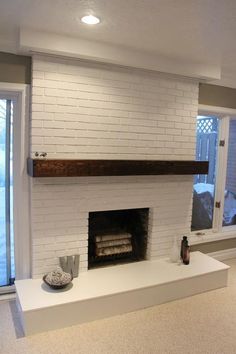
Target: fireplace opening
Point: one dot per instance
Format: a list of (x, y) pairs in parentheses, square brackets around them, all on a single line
[(117, 236)]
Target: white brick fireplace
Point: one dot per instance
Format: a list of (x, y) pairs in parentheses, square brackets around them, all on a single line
[(84, 110)]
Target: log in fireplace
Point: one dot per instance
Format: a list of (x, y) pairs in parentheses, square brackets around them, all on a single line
[(117, 236)]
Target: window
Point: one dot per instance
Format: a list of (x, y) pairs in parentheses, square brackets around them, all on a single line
[(229, 215), (204, 185), (14, 186), (214, 194), (7, 268)]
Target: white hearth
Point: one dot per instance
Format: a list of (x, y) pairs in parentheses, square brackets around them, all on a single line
[(110, 291)]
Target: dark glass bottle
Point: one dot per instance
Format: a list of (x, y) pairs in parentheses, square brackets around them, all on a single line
[(184, 243), (186, 255)]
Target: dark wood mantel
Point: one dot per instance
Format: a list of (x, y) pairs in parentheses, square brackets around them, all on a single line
[(73, 168)]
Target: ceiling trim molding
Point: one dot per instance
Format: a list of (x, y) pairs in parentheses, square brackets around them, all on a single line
[(228, 80), (49, 43), (222, 111)]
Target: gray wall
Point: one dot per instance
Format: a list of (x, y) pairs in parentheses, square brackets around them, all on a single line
[(220, 96), (15, 68), (215, 246)]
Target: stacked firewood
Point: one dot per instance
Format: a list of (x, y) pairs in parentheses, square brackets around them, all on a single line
[(116, 244)]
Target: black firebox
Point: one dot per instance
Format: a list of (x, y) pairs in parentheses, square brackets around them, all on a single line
[(117, 236)]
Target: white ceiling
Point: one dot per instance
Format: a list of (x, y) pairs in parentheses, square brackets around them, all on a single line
[(200, 31)]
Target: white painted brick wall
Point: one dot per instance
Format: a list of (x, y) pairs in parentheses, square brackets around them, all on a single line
[(60, 208), (85, 110)]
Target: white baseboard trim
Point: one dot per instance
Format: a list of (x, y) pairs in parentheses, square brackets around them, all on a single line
[(7, 297), (223, 254)]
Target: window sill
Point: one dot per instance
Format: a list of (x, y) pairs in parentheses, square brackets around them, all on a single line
[(211, 236)]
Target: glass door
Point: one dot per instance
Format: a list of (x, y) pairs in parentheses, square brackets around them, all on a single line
[(7, 264), (204, 185), (229, 216)]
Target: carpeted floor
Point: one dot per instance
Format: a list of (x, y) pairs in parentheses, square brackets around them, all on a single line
[(204, 323)]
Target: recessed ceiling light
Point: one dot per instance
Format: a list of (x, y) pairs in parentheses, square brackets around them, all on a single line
[(90, 20)]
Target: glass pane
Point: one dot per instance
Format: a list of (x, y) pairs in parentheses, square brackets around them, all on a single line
[(204, 185), (229, 217), (7, 268), (11, 199), (3, 253)]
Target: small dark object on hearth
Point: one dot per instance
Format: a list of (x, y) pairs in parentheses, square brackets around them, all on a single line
[(186, 255), (184, 243)]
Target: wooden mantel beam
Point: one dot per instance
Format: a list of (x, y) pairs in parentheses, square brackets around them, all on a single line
[(73, 168)]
